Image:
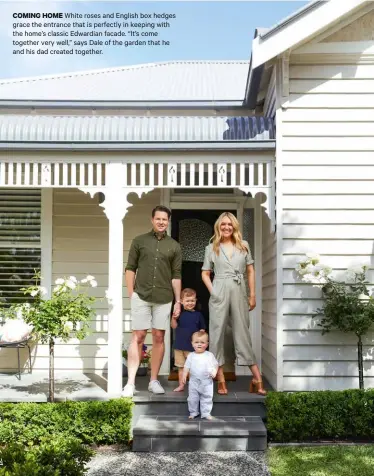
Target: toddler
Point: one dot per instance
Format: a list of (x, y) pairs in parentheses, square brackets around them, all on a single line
[(189, 322), (202, 367)]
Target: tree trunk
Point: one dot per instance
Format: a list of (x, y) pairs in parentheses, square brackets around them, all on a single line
[(51, 370), (360, 364)]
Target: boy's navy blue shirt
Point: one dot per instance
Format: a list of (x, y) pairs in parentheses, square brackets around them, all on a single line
[(188, 323)]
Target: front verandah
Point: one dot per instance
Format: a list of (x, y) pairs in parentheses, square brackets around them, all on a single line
[(77, 385), (116, 181)]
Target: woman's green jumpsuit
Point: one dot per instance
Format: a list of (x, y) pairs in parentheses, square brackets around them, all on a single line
[(229, 303)]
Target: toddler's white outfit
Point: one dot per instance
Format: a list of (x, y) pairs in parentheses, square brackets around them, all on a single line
[(200, 388)]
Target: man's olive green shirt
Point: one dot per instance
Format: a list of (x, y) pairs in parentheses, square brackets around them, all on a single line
[(155, 262)]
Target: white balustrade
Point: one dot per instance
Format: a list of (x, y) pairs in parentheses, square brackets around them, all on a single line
[(139, 175)]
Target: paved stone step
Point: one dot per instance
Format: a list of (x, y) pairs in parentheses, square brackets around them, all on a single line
[(172, 403), (171, 433)]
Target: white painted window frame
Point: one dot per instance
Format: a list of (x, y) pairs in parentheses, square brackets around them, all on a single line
[(46, 230)]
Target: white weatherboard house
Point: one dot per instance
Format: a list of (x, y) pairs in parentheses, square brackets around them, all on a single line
[(286, 141)]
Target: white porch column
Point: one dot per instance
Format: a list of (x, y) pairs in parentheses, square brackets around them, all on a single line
[(115, 209)]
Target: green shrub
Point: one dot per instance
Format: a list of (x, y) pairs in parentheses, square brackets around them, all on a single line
[(92, 422), (329, 415), (53, 457)]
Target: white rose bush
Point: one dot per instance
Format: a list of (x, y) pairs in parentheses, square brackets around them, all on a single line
[(63, 315), (347, 306)]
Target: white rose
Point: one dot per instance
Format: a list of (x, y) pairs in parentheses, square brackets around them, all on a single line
[(57, 289), (93, 283), (73, 278), (310, 268), (70, 284), (313, 257), (34, 292), (356, 270), (90, 278), (43, 291), (327, 270), (59, 281), (309, 278)]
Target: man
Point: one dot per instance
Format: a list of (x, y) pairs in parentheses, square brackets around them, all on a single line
[(153, 274)]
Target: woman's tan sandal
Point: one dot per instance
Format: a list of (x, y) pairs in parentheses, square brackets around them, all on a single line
[(222, 389), (256, 386)]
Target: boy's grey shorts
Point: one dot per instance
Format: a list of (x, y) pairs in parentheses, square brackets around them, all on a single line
[(148, 315)]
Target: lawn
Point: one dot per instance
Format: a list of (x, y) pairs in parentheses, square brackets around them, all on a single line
[(322, 461)]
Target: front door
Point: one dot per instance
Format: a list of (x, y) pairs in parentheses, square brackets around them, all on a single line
[(193, 230)]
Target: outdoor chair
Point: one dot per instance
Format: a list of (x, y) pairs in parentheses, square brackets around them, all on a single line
[(19, 345)]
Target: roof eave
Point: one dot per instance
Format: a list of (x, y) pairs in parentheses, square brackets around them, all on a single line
[(300, 28), (253, 87), (139, 146), (292, 18), (222, 104)]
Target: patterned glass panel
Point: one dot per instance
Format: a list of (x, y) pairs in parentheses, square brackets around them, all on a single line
[(194, 235)]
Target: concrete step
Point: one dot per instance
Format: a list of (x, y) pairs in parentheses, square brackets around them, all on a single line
[(173, 433), (172, 403)]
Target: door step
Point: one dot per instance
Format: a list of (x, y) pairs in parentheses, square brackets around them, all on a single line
[(173, 433)]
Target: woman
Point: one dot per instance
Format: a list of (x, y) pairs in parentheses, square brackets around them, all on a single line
[(230, 258)]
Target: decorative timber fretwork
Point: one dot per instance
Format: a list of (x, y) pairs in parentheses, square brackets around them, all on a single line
[(255, 176)]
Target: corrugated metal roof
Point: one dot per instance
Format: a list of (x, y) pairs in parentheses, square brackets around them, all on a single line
[(30, 128), (170, 81)]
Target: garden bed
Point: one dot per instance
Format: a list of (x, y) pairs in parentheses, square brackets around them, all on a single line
[(59, 438), (346, 415)]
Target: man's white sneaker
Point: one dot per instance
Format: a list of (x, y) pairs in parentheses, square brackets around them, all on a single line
[(128, 390), (155, 387)]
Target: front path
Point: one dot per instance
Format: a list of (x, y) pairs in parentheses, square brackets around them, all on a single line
[(233, 463)]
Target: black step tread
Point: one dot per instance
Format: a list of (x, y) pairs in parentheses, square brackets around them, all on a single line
[(241, 426), (170, 396)]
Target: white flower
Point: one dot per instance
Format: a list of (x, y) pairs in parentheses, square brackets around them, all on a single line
[(107, 294), (356, 270), (73, 278), (314, 257), (57, 289), (34, 292), (90, 278), (310, 268), (326, 270), (84, 280), (59, 281), (93, 283), (70, 284), (68, 326), (42, 290)]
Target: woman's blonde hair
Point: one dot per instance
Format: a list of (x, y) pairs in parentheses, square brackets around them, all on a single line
[(236, 235)]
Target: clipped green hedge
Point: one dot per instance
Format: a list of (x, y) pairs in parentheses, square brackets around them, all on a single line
[(320, 415), (92, 422), (53, 457)]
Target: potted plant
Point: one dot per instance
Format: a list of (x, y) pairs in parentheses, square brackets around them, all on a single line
[(144, 362), (347, 303), (63, 315)]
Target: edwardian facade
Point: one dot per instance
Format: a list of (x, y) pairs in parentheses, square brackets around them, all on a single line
[(285, 141)]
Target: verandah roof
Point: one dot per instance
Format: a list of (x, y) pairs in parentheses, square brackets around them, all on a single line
[(26, 130)]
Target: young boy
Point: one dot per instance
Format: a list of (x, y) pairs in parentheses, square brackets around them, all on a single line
[(202, 367), (189, 322)]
